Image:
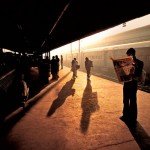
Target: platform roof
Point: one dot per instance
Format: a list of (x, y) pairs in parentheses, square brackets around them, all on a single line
[(42, 25)]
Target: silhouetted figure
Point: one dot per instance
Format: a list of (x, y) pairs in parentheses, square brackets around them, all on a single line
[(88, 65), (44, 68), (23, 90), (61, 61), (19, 90), (47, 64), (57, 60), (53, 67), (130, 90), (74, 64)]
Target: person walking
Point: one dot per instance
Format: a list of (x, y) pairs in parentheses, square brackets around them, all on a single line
[(88, 65), (74, 64), (130, 90)]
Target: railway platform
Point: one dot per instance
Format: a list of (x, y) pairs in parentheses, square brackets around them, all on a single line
[(77, 114)]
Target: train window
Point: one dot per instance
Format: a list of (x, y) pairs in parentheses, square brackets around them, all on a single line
[(148, 58)]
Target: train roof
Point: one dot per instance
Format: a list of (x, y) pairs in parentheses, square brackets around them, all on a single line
[(40, 26), (140, 34)]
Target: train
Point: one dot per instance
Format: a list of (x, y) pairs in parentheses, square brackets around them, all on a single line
[(101, 50)]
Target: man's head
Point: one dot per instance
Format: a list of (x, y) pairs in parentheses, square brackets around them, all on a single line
[(131, 52), (86, 58)]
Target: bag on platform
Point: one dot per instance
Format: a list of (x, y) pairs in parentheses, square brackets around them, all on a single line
[(91, 63), (78, 66)]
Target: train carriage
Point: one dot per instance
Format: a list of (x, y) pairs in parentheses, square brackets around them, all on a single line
[(114, 46)]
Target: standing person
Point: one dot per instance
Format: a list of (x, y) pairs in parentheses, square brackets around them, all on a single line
[(88, 65), (74, 64), (53, 68), (22, 89), (57, 66), (130, 90), (61, 61)]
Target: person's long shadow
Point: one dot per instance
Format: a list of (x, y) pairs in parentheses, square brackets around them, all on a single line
[(139, 134), (63, 94), (89, 105)]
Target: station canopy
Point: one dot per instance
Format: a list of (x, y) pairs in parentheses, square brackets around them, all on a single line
[(42, 25)]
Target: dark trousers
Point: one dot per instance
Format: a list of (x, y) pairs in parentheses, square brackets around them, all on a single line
[(130, 100), (88, 73)]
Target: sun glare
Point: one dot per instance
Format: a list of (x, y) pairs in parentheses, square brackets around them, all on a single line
[(136, 23)]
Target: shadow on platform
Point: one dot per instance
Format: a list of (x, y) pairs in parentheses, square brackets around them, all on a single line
[(89, 105), (16, 113), (139, 134), (66, 91)]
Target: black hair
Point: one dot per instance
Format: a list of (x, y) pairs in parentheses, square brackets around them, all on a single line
[(131, 51)]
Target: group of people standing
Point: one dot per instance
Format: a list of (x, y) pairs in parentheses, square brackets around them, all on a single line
[(55, 63), (129, 88), (75, 66), (55, 67)]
